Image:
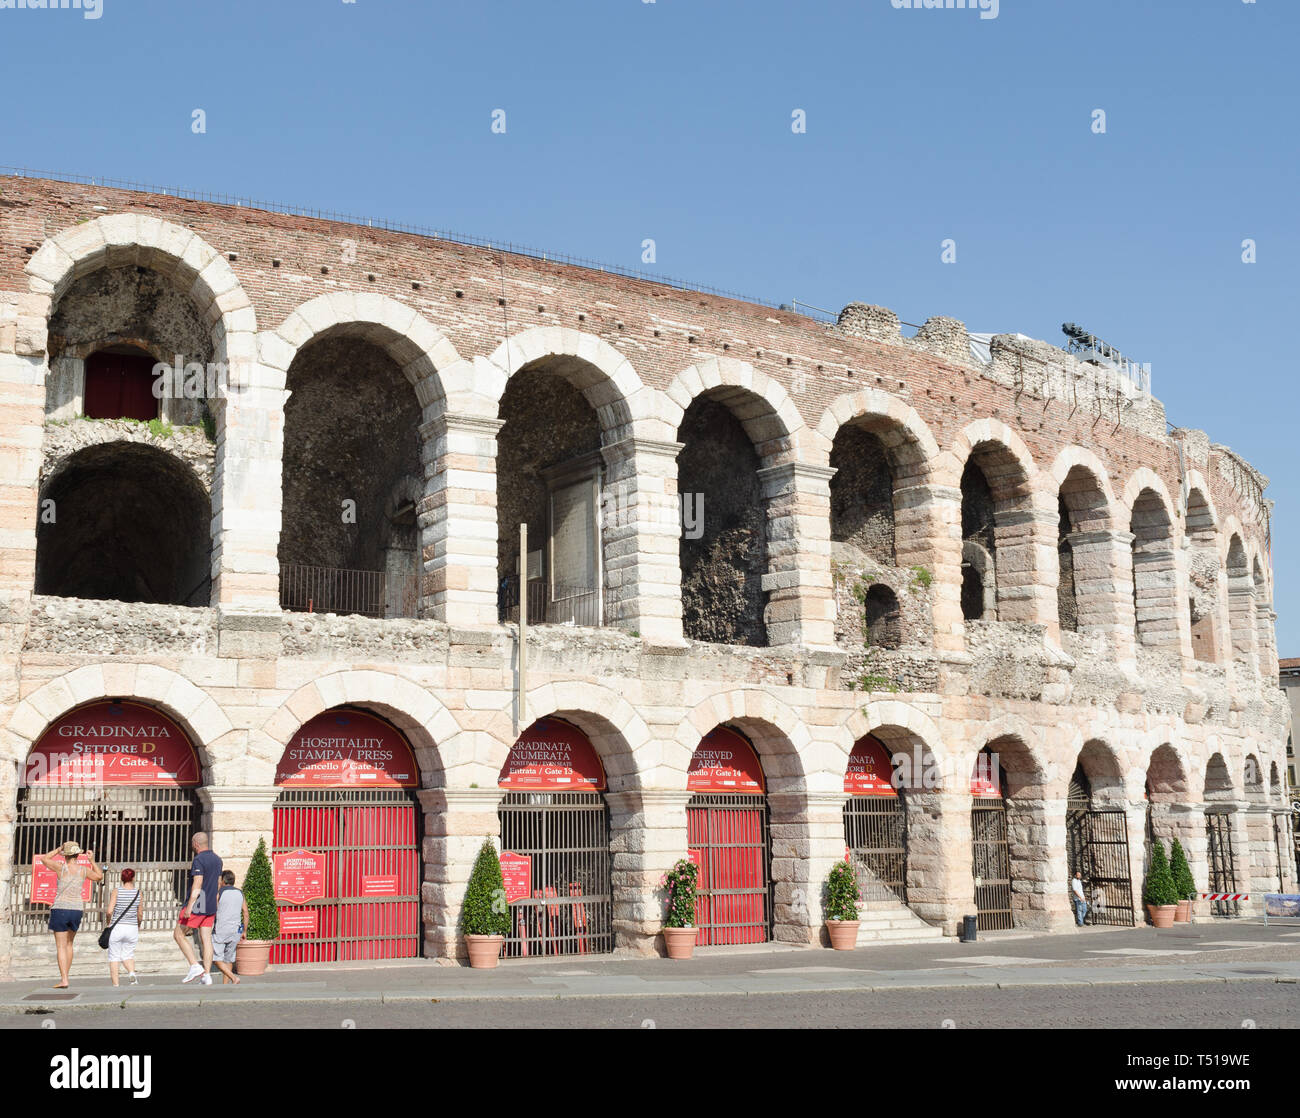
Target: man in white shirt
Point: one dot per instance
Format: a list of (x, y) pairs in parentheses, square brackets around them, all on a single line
[(1080, 902)]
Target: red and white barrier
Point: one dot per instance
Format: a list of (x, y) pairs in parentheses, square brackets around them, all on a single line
[(1225, 896)]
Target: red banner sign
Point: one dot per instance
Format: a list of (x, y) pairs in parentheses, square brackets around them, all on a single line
[(379, 885), (985, 778), (299, 920), (870, 770), (554, 755), (517, 871), (114, 743), (299, 877), (724, 762), (45, 882), (347, 749)]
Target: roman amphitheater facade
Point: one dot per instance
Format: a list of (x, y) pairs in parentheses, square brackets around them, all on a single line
[(806, 533)]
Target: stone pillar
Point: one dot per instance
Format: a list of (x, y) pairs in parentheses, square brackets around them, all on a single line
[(235, 819), (246, 491), (807, 839), (1046, 877), (456, 821), (1261, 847), (927, 533), (647, 838), (1135, 820), (953, 892), (1026, 542), (1187, 821), (642, 538), (801, 602), (1245, 633), (8, 819), (1242, 869), (22, 427), (1103, 586), (458, 519)]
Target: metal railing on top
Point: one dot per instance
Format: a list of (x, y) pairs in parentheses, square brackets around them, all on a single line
[(570, 605), (305, 589)]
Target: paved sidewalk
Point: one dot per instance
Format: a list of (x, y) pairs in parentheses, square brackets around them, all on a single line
[(1235, 952)]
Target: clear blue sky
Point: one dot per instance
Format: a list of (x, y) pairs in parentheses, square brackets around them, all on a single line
[(671, 120)]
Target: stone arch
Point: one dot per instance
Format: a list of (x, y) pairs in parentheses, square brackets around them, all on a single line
[(1168, 775), (618, 733), (900, 726), (907, 437), (1014, 470), (418, 348), (1201, 532), (215, 740), (600, 372), (778, 735), (1155, 577), (1081, 473), (1201, 519), (425, 721), (979, 588), (1104, 768), (1242, 623), (760, 402), (1252, 777), (1218, 784), (1086, 559)]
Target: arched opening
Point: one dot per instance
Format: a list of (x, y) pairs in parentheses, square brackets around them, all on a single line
[(118, 778), (723, 600), (1219, 811), (1202, 577), (875, 824), (1241, 605), (862, 494), (1166, 792), (883, 618), (727, 830), (1008, 818), (978, 565), (555, 844), (1263, 621), (1067, 606), (352, 480), (550, 476), (346, 840), (124, 522), (1096, 834), (106, 333), (1154, 585)]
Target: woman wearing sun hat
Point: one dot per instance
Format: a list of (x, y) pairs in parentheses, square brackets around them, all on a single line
[(68, 906)]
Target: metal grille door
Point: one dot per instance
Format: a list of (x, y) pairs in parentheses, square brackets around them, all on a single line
[(1097, 846), (729, 836), (1223, 874), (875, 831), (370, 840), (570, 907), (145, 829), (991, 864)]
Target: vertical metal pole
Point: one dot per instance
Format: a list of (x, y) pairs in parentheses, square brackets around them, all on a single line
[(520, 714)]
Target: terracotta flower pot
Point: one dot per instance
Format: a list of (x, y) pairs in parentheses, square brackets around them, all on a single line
[(484, 951), (1184, 913), (1162, 916), (252, 956), (680, 942), (843, 933)]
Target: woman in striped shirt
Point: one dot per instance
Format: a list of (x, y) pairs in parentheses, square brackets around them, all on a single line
[(125, 904)]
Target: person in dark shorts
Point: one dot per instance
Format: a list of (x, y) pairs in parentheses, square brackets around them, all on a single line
[(232, 919), (200, 911), (68, 906)]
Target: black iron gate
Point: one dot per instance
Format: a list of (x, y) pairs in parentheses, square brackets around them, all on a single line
[(569, 909), (142, 828), (1223, 874), (1097, 846), (1279, 844), (875, 831), (991, 864)]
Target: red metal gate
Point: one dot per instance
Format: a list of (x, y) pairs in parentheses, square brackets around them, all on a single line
[(727, 835), (370, 843)]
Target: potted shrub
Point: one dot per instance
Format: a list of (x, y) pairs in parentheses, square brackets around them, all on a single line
[(841, 906), (485, 916), (1159, 893), (1184, 885), (680, 931), (254, 951)]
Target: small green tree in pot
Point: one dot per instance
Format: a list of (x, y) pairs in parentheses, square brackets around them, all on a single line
[(1159, 893), (840, 906), (485, 916), (680, 933), (1184, 884), (254, 950)]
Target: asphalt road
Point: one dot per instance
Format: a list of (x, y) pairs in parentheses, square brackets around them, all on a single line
[(1212, 1005)]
